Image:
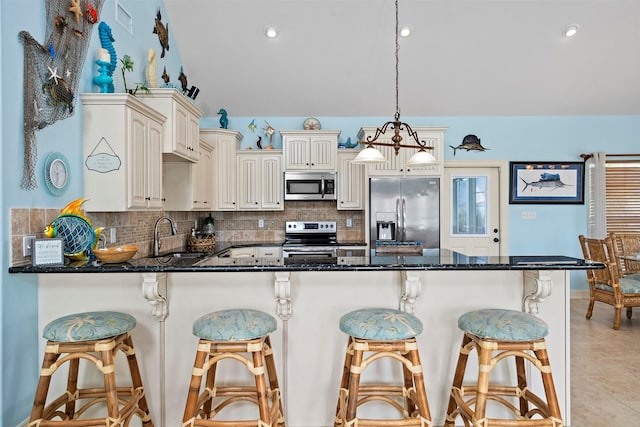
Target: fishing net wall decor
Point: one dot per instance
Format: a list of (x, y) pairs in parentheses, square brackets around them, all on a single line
[(52, 71)]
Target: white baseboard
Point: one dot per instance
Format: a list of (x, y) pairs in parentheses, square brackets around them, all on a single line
[(580, 294), (25, 423)]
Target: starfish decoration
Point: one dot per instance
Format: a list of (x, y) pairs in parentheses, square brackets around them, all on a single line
[(75, 9), (54, 74)]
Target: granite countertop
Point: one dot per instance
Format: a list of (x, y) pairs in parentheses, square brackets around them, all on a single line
[(349, 259)]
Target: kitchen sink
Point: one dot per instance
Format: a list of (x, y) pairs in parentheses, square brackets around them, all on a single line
[(183, 255)]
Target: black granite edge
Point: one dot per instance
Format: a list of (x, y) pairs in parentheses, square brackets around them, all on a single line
[(157, 267)]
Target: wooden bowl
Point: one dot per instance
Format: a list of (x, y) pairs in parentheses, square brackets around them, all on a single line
[(116, 254)]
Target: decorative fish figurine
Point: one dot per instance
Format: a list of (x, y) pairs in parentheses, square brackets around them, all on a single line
[(259, 142), (76, 230), (469, 143), (268, 130), (349, 144), (252, 126), (162, 32), (547, 180), (165, 77), (183, 80), (224, 121)]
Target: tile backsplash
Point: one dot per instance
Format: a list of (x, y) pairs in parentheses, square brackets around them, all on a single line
[(137, 227)]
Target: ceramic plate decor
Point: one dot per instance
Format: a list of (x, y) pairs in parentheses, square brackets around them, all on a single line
[(311, 124)]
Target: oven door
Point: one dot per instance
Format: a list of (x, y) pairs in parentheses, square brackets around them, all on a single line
[(312, 253)]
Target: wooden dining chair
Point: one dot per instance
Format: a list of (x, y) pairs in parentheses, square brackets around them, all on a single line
[(606, 285)]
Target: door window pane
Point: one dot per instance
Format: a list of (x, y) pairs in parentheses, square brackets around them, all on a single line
[(469, 205)]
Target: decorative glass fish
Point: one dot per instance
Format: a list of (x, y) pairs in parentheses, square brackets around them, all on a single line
[(76, 230)]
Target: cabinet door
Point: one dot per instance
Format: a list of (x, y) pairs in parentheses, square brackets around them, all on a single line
[(154, 165), (226, 173), (248, 181), (204, 182), (350, 182), (181, 124), (296, 153), (322, 152), (193, 137), (272, 183), (137, 167)]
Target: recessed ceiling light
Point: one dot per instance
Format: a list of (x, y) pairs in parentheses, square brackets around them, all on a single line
[(571, 30), (405, 31), (271, 32)]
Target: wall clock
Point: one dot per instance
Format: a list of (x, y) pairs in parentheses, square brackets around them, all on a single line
[(56, 173)]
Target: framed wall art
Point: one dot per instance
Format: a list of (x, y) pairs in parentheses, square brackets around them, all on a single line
[(546, 182)]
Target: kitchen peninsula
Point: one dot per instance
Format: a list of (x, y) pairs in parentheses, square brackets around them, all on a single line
[(308, 298)]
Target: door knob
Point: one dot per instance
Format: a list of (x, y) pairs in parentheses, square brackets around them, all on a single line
[(495, 239), (495, 230)]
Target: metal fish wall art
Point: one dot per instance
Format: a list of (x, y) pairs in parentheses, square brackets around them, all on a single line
[(469, 143)]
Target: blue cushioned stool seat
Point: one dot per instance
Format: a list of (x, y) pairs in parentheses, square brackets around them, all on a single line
[(89, 326), (503, 325), (384, 324), (234, 325)]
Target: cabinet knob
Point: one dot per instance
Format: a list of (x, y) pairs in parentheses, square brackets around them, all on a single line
[(256, 203), (147, 198)]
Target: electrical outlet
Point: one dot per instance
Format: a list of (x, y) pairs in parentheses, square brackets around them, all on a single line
[(261, 223), (27, 244), (112, 235), (349, 222)]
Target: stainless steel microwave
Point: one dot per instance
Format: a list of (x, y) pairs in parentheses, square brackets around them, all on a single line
[(309, 185)]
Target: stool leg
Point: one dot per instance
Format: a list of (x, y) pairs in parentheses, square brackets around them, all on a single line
[(72, 388), (210, 382), (109, 375), (190, 411), (547, 382), (419, 386), (458, 377), (354, 383), (522, 384), (484, 368), (136, 380), (37, 412), (261, 385), (273, 379), (341, 407)]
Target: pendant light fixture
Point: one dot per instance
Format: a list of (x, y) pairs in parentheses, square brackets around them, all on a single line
[(370, 154)]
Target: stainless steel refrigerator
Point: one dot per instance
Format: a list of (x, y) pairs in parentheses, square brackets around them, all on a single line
[(405, 210)]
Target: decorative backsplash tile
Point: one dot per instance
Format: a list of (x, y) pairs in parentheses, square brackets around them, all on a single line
[(137, 227)]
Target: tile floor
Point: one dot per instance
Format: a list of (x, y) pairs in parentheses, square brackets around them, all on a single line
[(605, 368)]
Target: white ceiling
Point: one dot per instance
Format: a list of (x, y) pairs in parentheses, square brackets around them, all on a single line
[(464, 58)]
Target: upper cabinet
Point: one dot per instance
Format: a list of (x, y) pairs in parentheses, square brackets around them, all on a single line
[(181, 131), (313, 149), (396, 165), (225, 144), (122, 140), (260, 180), (350, 181), (189, 186)]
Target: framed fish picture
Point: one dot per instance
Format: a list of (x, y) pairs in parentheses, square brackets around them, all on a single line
[(546, 182)]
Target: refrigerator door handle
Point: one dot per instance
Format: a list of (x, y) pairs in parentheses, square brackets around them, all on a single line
[(404, 219), (398, 218)]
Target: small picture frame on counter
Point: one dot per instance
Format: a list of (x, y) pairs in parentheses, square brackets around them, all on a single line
[(47, 252)]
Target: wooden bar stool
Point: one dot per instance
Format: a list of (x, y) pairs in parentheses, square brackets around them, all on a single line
[(96, 337), (382, 333), (497, 335), (227, 334)]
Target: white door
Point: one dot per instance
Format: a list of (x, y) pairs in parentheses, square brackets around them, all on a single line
[(471, 215)]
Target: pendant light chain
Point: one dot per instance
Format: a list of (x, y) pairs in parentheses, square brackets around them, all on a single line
[(397, 116)]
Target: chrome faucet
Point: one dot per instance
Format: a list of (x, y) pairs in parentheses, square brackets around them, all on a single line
[(156, 238)]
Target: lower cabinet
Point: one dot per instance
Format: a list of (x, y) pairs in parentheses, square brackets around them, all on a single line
[(260, 180)]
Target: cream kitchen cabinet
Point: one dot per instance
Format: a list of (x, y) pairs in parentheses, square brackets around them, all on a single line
[(225, 143), (350, 181), (181, 131), (315, 149), (189, 186), (396, 165), (260, 180), (122, 146)]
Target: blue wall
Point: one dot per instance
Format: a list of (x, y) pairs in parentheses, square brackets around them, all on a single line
[(508, 138)]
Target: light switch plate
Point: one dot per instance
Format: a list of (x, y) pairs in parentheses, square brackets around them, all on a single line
[(27, 245), (528, 215)]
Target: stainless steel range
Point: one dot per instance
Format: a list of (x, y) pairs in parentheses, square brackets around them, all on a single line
[(310, 240)]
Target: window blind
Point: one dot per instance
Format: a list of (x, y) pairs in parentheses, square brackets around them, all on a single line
[(623, 196)]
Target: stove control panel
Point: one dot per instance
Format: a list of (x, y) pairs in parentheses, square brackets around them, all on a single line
[(310, 227)]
